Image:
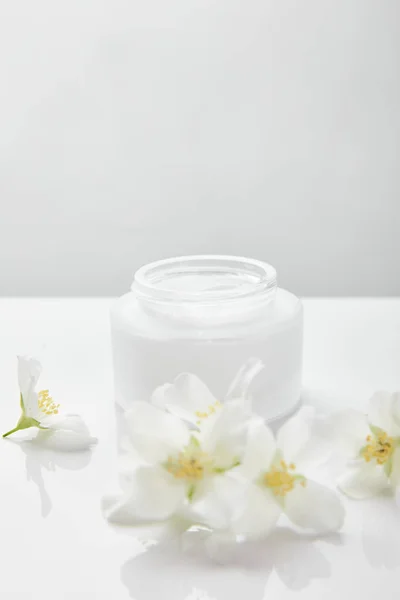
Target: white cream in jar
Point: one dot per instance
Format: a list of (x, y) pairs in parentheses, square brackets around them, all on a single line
[(208, 315)]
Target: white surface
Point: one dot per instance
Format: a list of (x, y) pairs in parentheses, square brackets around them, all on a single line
[(133, 130), (53, 540)]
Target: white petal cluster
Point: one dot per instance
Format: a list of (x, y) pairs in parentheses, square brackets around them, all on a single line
[(201, 461)]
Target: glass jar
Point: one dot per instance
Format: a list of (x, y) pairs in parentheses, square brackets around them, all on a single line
[(208, 315)]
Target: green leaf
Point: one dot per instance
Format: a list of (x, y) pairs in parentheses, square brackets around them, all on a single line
[(21, 403)]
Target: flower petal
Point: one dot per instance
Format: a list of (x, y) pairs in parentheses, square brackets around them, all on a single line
[(215, 500), (67, 433), (118, 510), (29, 370), (383, 412), (314, 507), (349, 432), (154, 496), (185, 397), (396, 408), (154, 433), (363, 479), (304, 439), (220, 546), (69, 422), (259, 453), (226, 438), (239, 388), (258, 513), (66, 441), (395, 473)]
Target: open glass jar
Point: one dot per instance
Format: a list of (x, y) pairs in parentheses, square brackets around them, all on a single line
[(208, 315)]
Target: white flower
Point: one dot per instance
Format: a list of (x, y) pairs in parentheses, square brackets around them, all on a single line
[(372, 445), (183, 471), (277, 470), (60, 431), (190, 399)]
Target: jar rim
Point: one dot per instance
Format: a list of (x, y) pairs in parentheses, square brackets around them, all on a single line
[(189, 279)]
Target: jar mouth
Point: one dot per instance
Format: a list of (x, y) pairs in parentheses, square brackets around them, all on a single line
[(205, 280)]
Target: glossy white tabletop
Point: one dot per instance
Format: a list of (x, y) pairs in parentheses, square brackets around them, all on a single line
[(54, 544)]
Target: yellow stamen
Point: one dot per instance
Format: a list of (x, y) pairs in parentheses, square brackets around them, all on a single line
[(46, 404), (280, 480), (210, 410), (190, 464), (380, 448)]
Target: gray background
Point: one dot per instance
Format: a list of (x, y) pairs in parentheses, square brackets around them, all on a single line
[(133, 130)]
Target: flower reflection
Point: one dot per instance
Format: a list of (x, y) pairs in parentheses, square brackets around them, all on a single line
[(38, 460), (380, 532), (185, 571)]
